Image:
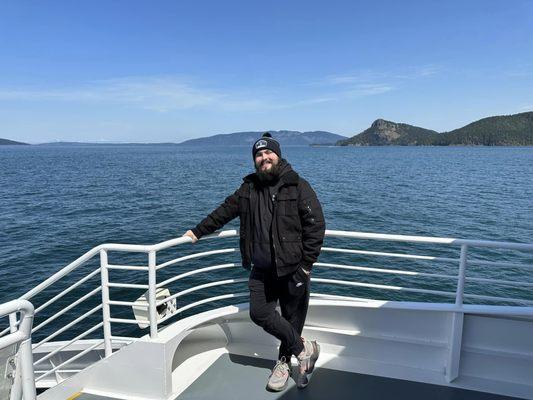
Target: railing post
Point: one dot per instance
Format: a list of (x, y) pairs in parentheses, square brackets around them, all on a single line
[(16, 388), (152, 310), (106, 312), (13, 322), (26, 373), (456, 332), (21, 364), (462, 275)]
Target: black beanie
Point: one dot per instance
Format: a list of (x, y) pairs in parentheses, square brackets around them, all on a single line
[(266, 142)]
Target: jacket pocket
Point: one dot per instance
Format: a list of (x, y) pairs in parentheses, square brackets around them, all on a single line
[(297, 284), (291, 249), (288, 203)]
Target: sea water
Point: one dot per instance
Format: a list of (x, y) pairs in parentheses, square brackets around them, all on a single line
[(59, 201)]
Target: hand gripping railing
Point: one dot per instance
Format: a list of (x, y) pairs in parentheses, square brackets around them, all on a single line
[(151, 285), (23, 373)]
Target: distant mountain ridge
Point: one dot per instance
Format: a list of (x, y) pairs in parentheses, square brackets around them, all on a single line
[(10, 142), (52, 144), (504, 130), (285, 138)]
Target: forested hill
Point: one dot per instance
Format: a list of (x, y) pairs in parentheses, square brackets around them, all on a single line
[(7, 141), (383, 132), (504, 130)]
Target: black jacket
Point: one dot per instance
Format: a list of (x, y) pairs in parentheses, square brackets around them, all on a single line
[(297, 222)]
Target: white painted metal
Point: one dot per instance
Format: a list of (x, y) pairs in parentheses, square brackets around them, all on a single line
[(61, 273), (454, 312), (383, 270), (498, 298), (106, 310), (70, 342), (13, 323), (195, 272), (499, 264), (68, 326), (194, 256), (141, 310), (368, 337), (70, 360), (384, 254), (204, 301), (66, 372), (121, 303), (456, 331), (200, 287), (435, 240), (186, 239), (65, 309), (499, 281), (127, 285), (386, 287), (152, 281), (16, 388), (125, 339), (124, 321), (68, 290), (127, 267), (21, 337)]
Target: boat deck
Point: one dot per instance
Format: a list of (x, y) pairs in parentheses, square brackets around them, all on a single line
[(238, 377)]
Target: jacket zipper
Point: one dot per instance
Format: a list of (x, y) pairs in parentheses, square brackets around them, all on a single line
[(274, 216)]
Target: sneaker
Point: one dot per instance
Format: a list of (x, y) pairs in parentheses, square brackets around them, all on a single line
[(279, 378), (306, 360)]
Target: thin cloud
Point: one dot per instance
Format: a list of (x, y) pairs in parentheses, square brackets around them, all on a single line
[(353, 78), (167, 94), (163, 95), (421, 71), (370, 89), (373, 82), (429, 70), (157, 94), (519, 73)]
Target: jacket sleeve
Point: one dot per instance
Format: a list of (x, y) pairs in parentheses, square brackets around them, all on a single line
[(223, 214), (313, 224)]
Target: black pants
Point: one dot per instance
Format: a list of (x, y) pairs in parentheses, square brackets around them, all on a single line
[(292, 292)]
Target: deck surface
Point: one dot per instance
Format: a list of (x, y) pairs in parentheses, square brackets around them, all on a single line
[(238, 377), (234, 377)]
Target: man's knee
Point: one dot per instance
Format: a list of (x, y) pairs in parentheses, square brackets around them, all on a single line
[(259, 315)]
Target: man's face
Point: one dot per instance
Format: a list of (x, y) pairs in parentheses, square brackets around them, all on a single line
[(265, 160)]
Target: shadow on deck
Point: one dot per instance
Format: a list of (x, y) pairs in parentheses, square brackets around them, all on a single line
[(239, 377), (234, 377)]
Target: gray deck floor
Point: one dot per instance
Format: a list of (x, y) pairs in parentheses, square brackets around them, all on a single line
[(234, 377), (237, 377)]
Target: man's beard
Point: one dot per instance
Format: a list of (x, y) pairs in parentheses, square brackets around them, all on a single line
[(270, 175)]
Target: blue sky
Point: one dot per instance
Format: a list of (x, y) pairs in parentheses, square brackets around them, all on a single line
[(173, 70)]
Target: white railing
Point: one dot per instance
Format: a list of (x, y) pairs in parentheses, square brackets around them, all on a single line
[(23, 383), (150, 285)]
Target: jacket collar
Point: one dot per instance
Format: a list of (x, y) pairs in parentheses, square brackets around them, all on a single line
[(287, 178)]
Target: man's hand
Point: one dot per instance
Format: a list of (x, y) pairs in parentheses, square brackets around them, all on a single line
[(191, 235)]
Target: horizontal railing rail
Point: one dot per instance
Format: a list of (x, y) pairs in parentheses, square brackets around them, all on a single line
[(151, 287)]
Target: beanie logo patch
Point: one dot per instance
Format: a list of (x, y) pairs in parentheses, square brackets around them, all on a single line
[(260, 144)]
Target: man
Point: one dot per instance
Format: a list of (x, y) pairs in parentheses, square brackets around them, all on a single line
[(281, 233)]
